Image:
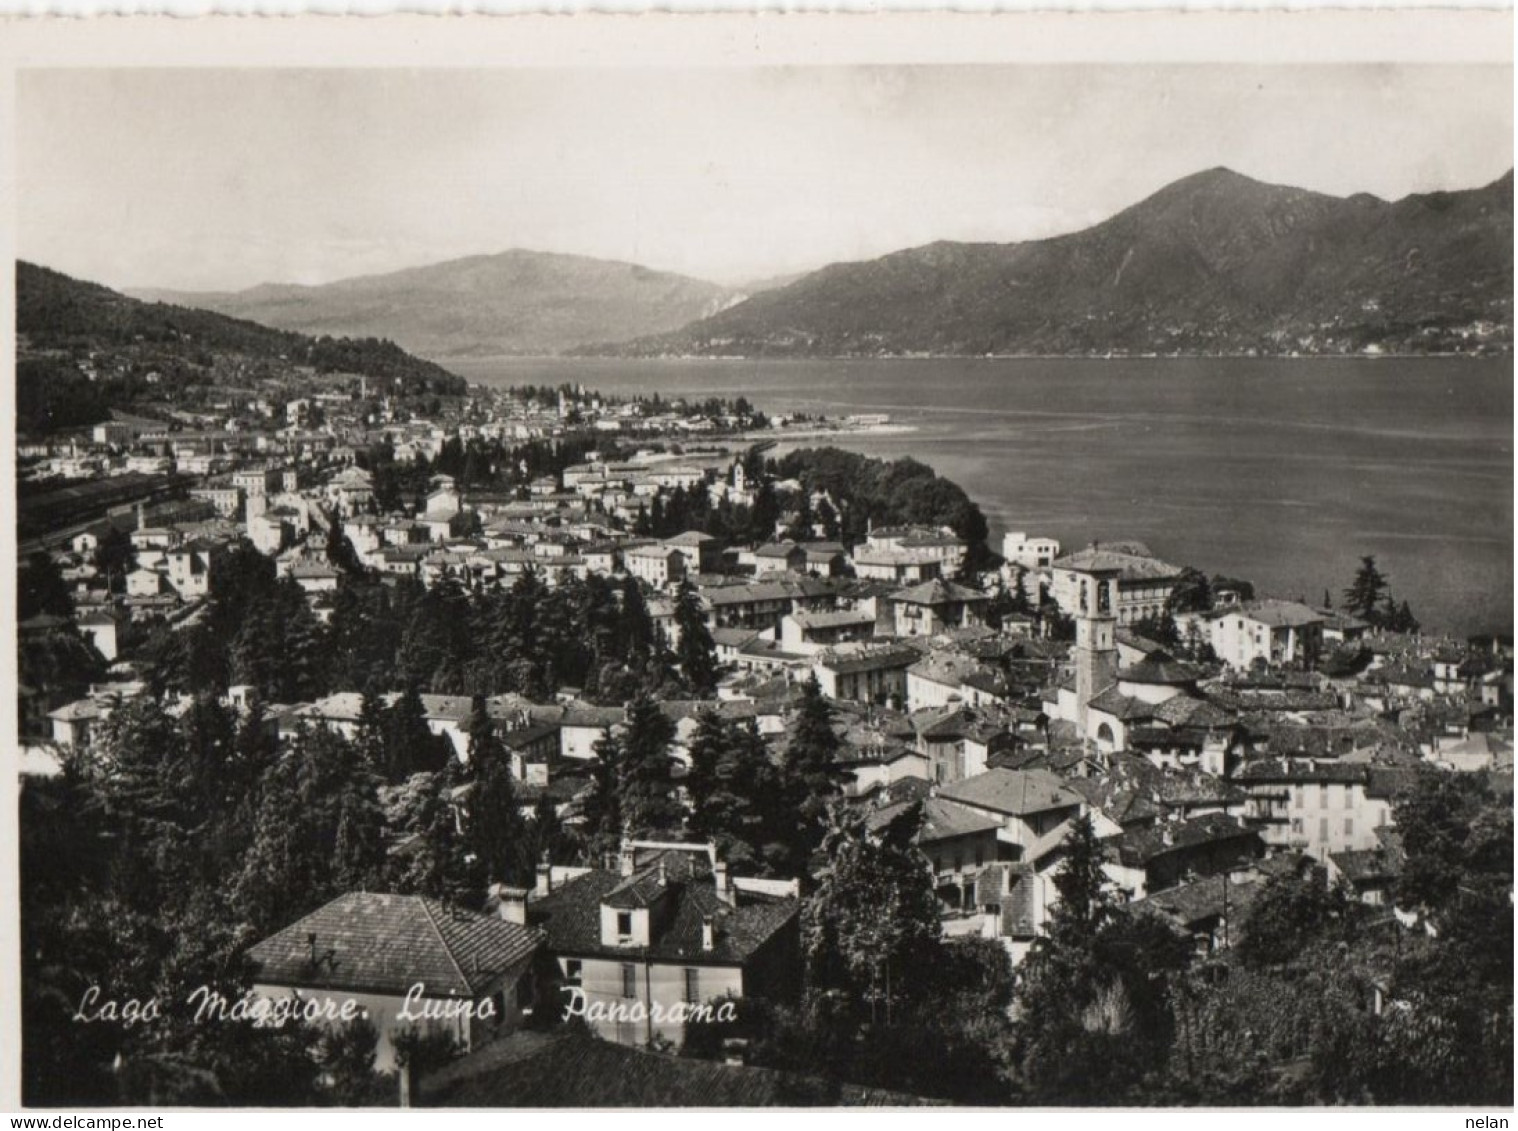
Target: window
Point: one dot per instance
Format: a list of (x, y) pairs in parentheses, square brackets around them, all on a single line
[(1323, 828), (572, 970), (629, 980), (1349, 826), (624, 924), (1322, 795), (692, 985), (1296, 825)]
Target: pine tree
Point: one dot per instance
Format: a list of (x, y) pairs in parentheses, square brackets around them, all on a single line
[(1364, 596), (340, 552), (410, 745), (318, 832), (809, 777), (601, 809), (730, 784), (637, 627), (495, 833), (369, 736), (872, 926), (764, 514), (708, 748), (645, 779), (696, 653)]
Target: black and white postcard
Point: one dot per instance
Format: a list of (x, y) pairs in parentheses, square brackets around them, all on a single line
[(742, 562)]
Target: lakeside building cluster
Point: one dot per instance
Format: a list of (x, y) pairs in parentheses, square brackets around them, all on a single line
[(1276, 735)]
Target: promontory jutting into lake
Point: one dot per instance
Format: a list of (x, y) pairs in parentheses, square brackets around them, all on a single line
[(1068, 671)]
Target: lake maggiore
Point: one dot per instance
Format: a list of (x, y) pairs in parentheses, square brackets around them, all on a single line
[(1282, 471)]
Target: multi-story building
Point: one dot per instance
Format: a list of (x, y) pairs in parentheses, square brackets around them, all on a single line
[(1144, 582), (1318, 805), (1269, 632), (1029, 553), (664, 929)]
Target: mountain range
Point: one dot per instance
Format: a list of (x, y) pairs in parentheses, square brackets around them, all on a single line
[(517, 302), (83, 350), (1216, 263)]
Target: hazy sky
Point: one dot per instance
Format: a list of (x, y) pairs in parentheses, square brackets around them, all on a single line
[(217, 179)]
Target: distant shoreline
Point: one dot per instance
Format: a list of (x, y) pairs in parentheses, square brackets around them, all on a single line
[(674, 359)]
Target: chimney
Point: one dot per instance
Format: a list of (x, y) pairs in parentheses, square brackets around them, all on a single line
[(722, 882), (663, 875), (510, 903), (1167, 837), (708, 933), (545, 878), (626, 859), (142, 517)]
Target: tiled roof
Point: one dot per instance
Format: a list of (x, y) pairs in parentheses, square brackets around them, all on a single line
[(941, 820), (937, 592), (946, 668), (1016, 792), (1279, 614), (571, 916), (366, 941), (745, 594), (1137, 847), (1302, 770), (1182, 710), (690, 538), (1120, 706), (776, 550), (1129, 567), (1366, 865), (831, 619), (866, 657), (1192, 904), (1122, 802), (733, 637), (1160, 669)]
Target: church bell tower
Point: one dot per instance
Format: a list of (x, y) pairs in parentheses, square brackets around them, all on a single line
[(1095, 638)]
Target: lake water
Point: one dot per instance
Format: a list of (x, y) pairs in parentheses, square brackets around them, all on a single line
[(1281, 471)]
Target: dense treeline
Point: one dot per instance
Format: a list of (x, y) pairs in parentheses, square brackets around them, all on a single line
[(184, 835), (1322, 999), (887, 493), (529, 638)]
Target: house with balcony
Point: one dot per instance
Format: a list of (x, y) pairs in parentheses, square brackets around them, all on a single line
[(865, 672), (957, 842), (1319, 806), (1144, 582), (936, 606)]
